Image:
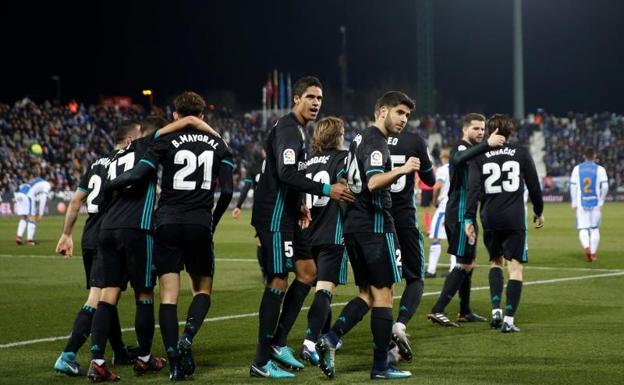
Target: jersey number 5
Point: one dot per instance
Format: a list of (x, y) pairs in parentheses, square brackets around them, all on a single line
[(510, 184), (399, 185)]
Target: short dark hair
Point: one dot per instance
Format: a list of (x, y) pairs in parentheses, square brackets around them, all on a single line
[(152, 123), (470, 117), (189, 103), (304, 83), (123, 129), (394, 98), (503, 123), (589, 153)]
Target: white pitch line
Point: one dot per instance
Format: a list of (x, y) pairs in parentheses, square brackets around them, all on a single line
[(78, 257), (247, 315)]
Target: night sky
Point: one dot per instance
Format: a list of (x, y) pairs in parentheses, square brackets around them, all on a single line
[(573, 50)]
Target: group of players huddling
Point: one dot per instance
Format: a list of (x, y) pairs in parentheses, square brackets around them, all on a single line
[(311, 213)]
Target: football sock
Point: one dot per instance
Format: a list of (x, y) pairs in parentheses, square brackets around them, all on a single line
[(293, 302), (259, 257), (268, 316), (584, 238), (114, 334), (168, 319), (21, 227), (351, 314), (514, 289), (100, 329), (328, 322), (434, 256), (32, 226), (453, 262), (196, 315), (427, 218), (144, 325), (381, 327), (464, 295), (497, 282), (317, 315), (81, 329), (410, 300), (594, 240), (451, 284)]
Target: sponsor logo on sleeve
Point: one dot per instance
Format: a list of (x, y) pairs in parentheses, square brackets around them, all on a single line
[(376, 159), (289, 156)]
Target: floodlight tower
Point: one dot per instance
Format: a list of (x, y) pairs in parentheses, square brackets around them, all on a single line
[(425, 92), (518, 70)]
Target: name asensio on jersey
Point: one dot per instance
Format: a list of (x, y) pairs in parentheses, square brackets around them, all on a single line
[(502, 151), (189, 138)]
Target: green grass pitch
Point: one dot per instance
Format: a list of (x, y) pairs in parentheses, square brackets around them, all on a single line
[(571, 314)]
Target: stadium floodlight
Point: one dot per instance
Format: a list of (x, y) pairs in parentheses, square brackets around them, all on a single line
[(150, 95)]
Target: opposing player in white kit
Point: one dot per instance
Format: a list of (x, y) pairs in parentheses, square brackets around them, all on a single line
[(38, 195), (440, 197), (588, 189), (22, 208)]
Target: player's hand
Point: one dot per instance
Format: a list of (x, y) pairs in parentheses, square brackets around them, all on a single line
[(539, 221), (496, 140), (65, 246), (412, 165), (199, 124), (469, 229), (340, 192), (236, 213), (306, 217)]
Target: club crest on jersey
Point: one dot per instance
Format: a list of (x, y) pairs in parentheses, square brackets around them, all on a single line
[(289, 156), (376, 159), (461, 147)]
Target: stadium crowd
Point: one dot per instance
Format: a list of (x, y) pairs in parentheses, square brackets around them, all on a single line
[(71, 139)]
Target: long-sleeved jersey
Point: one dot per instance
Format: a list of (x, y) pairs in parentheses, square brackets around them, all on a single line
[(497, 178), (402, 147), (278, 196)]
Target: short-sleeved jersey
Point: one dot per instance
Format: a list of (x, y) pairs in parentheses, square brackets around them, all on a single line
[(458, 194), (326, 227), (133, 208), (190, 161), (38, 188), (370, 212), (497, 178), (38, 194), (442, 176), (23, 189), (588, 185), (278, 195), (91, 184), (402, 147)]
